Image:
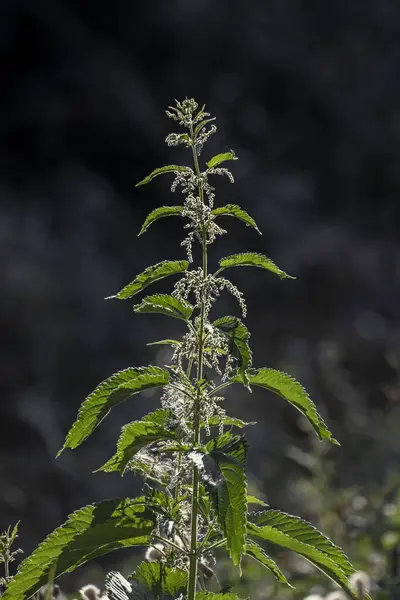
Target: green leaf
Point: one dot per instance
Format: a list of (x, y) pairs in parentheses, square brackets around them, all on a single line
[(226, 459), (88, 533), (160, 170), (167, 342), (171, 581), (202, 124), (252, 259), (291, 390), (301, 537), (165, 305), (238, 337), (133, 438), (159, 213), (253, 500), (160, 416), (219, 158), (109, 393), (256, 552), (149, 275), (233, 210)]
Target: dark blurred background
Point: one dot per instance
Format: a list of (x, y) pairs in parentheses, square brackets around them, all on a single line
[(308, 96)]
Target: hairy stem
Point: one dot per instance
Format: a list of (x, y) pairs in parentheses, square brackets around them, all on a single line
[(196, 416)]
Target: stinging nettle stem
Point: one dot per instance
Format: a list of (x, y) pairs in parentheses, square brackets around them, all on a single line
[(196, 417)]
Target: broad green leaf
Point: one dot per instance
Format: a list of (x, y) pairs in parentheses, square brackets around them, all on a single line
[(227, 458), (301, 537), (165, 305), (252, 259), (109, 393), (160, 170), (291, 390), (159, 213), (149, 275), (253, 500), (168, 342), (172, 580), (256, 552), (219, 158), (201, 125), (88, 533), (133, 438), (238, 336), (160, 416), (233, 210)]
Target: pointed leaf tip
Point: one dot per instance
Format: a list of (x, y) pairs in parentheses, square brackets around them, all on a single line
[(149, 275), (233, 210), (159, 213), (111, 392), (252, 259), (220, 158), (287, 387), (160, 170)]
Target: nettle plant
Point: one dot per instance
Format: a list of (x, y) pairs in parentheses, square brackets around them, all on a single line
[(194, 498)]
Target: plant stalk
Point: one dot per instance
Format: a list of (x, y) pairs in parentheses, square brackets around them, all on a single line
[(191, 594)]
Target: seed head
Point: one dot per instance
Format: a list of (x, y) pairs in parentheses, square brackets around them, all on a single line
[(360, 583)]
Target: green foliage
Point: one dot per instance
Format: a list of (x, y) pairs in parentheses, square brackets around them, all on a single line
[(167, 342), (227, 457), (295, 534), (233, 210), (291, 390), (159, 213), (109, 393), (257, 553), (134, 437), (220, 158), (150, 275), (238, 336), (160, 171), (252, 259), (160, 578), (165, 305), (195, 483), (88, 533)]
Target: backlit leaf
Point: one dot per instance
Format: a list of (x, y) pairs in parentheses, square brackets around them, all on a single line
[(90, 532), (133, 438), (291, 390), (295, 534), (149, 275), (160, 170), (238, 338), (233, 210), (109, 393), (158, 577), (252, 259), (159, 213), (166, 305), (225, 464), (219, 158), (256, 552)]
